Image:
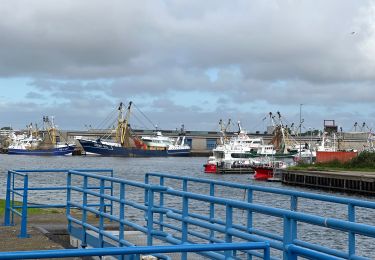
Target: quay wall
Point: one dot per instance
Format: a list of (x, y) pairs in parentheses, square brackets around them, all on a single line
[(358, 182)]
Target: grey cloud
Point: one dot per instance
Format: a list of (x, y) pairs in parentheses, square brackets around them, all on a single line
[(34, 95), (268, 40), (81, 54)]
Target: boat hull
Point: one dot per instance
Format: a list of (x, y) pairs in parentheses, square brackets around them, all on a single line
[(44, 152), (210, 168), (95, 147), (262, 173)]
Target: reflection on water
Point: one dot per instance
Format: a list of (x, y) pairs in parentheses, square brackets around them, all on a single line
[(134, 169)]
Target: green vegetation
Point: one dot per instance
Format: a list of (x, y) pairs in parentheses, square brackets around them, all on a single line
[(365, 161), (32, 211)]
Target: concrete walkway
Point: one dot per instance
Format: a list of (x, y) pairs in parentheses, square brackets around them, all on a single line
[(9, 240)]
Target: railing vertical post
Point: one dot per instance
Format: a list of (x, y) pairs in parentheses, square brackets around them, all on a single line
[(12, 200), (288, 239), (23, 233), (185, 215), (111, 193), (150, 216), (69, 199), (102, 210), (267, 252), (228, 226), (212, 211), (184, 185), (161, 205), (184, 211), (250, 195), (147, 180), (351, 238), (84, 211), (122, 217), (7, 202), (122, 213), (294, 207)]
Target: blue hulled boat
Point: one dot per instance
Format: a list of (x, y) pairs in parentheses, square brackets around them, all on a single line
[(106, 148), (36, 143), (129, 145), (61, 150)]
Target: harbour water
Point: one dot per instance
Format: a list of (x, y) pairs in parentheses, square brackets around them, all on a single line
[(135, 168)]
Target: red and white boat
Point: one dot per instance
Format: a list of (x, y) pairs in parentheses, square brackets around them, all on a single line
[(211, 165), (268, 171), (235, 153)]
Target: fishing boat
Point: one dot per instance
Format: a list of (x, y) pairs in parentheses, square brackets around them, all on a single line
[(268, 170), (282, 145), (127, 144), (157, 140), (40, 143), (234, 153)]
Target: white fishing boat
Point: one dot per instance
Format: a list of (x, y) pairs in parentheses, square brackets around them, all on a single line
[(127, 144), (233, 153), (157, 140), (37, 142)]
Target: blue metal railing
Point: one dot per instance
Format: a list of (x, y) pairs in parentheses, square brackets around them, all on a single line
[(136, 251), (94, 234), (277, 241), (171, 216), (22, 190), (119, 200)]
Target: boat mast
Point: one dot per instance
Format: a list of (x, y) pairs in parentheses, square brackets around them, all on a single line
[(223, 130), (284, 140), (122, 130), (239, 127), (50, 128)]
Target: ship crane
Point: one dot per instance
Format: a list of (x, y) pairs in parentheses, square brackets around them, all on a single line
[(122, 125), (224, 129)]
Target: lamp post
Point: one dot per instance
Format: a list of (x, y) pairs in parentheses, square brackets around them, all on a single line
[(310, 146), (300, 130)]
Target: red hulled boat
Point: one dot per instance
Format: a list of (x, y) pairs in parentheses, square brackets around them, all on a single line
[(268, 171)]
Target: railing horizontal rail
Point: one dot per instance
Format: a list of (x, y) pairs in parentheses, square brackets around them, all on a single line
[(15, 192), (302, 217), (346, 201), (300, 251), (16, 212), (16, 187), (18, 173), (176, 216), (136, 250), (325, 250), (43, 188), (61, 170), (117, 180), (109, 216)]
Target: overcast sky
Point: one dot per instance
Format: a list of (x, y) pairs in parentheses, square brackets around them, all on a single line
[(188, 61)]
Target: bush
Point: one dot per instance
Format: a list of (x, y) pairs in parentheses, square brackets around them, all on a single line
[(363, 160)]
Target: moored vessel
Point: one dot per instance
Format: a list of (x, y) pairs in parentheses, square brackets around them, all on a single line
[(269, 170), (37, 143), (127, 144), (234, 154)]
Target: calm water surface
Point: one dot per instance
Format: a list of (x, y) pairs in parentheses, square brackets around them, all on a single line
[(135, 168)]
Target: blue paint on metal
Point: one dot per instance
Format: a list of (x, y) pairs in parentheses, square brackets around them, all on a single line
[(22, 191), (136, 250), (185, 226), (291, 219), (298, 194), (23, 233)]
